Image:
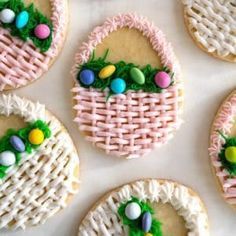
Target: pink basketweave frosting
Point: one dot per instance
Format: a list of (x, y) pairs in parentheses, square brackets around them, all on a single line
[(223, 122), (21, 62), (130, 124)]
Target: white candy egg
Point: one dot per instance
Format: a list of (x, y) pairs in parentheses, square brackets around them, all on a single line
[(7, 16), (7, 158), (133, 211)]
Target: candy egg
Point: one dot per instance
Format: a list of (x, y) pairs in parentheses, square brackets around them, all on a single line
[(162, 80), (42, 31), (22, 19), (87, 77), (137, 75), (118, 86), (230, 154), (7, 158), (7, 16), (107, 71), (133, 211), (36, 136), (148, 234), (146, 222), (17, 143)]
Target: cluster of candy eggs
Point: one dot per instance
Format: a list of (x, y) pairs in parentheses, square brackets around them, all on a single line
[(8, 16), (118, 85), (133, 212), (8, 158)]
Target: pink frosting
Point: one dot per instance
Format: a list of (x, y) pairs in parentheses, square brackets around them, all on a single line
[(21, 62), (131, 124), (223, 122)]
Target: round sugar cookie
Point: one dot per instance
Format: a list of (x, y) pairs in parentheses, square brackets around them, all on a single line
[(39, 166), (212, 26), (128, 92), (222, 148), (150, 207), (31, 40)]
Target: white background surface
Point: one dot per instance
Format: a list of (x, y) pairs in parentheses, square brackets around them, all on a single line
[(185, 158)]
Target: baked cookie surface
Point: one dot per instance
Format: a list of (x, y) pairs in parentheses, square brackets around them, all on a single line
[(212, 25), (222, 148), (39, 166), (147, 207), (31, 37), (121, 105)]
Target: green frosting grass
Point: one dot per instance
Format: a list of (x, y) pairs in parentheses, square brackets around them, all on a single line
[(122, 71), (23, 134), (229, 141), (35, 18), (135, 226)]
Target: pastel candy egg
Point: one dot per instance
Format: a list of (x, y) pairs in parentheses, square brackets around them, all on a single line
[(17, 143), (148, 234), (22, 19), (133, 211), (146, 222), (7, 16), (36, 136), (162, 80), (7, 158), (87, 77), (118, 86), (42, 31), (230, 154), (137, 75), (107, 71)]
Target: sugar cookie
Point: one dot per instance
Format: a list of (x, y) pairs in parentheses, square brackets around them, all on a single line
[(128, 91), (212, 25), (31, 36), (38, 164), (149, 207), (222, 148)]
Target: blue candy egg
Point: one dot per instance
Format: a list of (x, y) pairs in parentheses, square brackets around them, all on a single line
[(17, 143), (146, 222), (87, 77), (118, 86), (22, 19)]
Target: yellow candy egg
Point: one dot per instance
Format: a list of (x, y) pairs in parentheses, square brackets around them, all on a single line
[(36, 136), (107, 71), (148, 234)]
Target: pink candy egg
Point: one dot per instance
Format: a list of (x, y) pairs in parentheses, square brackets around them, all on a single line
[(42, 31), (162, 80)]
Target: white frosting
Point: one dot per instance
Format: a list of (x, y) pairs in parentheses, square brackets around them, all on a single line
[(39, 187), (103, 219), (214, 23)]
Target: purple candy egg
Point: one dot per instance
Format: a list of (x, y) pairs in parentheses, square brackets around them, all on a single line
[(42, 31), (162, 80), (17, 143), (146, 222)]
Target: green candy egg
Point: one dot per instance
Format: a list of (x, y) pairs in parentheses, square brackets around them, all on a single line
[(230, 154), (137, 75)]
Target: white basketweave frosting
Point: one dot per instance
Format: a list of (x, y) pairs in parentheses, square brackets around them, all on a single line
[(40, 185), (128, 125), (214, 24), (103, 220)]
